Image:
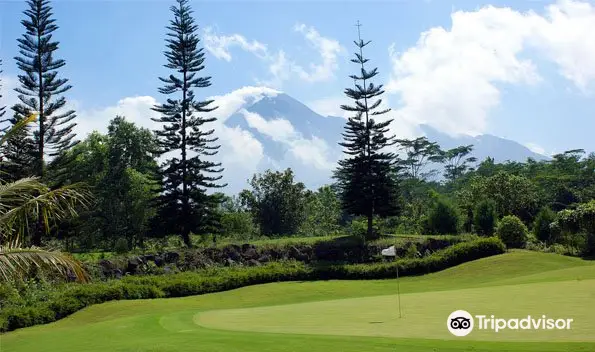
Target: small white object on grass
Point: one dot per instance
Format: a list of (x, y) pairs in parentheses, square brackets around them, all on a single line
[(389, 252)]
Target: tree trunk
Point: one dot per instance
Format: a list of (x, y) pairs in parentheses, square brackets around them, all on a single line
[(186, 238), (185, 195), (370, 234), (39, 229)]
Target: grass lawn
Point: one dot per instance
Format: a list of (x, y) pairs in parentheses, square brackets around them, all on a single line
[(344, 315)]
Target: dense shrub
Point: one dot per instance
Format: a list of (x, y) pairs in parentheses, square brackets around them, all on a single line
[(576, 227), (72, 297), (451, 256), (443, 219), (19, 317), (121, 246), (484, 217), (239, 225), (359, 228), (512, 232), (541, 227)]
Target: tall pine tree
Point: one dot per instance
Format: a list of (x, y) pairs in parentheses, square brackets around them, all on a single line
[(186, 207), (16, 153), (40, 88), (41, 92), (2, 108), (366, 177)]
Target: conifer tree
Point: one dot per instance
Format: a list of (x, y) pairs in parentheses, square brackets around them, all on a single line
[(2, 108), (40, 88), (41, 92), (185, 205), (366, 177), (17, 152)]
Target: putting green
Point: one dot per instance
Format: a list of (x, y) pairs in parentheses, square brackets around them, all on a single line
[(425, 314), (319, 316)]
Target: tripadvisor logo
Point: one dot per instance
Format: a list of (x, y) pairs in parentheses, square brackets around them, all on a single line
[(461, 323)]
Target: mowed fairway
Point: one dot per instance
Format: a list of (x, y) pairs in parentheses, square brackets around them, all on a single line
[(345, 315)]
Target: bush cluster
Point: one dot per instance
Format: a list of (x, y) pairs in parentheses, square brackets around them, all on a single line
[(484, 217), (513, 232), (70, 298), (443, 219), (542, 224)]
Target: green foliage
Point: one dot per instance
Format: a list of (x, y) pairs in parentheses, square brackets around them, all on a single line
[(513, 195), (185, 205), (579, 226), (582, 217), (40, 87), (2, 108), (238, 225), (542, 225), (443, 219), (40, 91), (556, 248), (17, 151), (456, 161), (366, 177), (512, 232), (418, 197), (323, 213), (420, 152), (440, 260), (121, 246), (359, 228), (67, 299), (122, 170), (484, 217), (276, 202)]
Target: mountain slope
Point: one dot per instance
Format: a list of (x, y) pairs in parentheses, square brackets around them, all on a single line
[(485, 145), (293, 135)]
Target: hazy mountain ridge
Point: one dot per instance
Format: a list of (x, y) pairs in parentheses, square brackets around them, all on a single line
[(485, 145), (278, 121)]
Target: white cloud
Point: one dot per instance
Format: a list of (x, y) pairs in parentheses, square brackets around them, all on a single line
[(309, 151), (329, 106), (451, 78), (329, 50), (219, 45), (314, 152), (448, 79), (9, 96), (230, 103), (135, 109), (281, 67), (280, 70), (278, 129), (535, 148), (240, 150), (565, 35)]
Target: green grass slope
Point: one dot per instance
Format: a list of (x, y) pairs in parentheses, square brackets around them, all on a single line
[(318, 316)]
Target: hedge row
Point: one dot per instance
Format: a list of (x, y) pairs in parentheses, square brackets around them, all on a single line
[(73, 297)]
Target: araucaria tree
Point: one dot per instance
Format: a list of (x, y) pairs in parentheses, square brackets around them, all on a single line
[(40, 88), (17, 152), (2, 108), (185, 205), (366, 177)]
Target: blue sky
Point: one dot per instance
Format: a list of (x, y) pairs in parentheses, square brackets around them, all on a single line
[(522, 70)]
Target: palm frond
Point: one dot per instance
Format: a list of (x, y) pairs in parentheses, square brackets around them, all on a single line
[(16, 262), (17, 127), (14, 194), (26, 199)]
